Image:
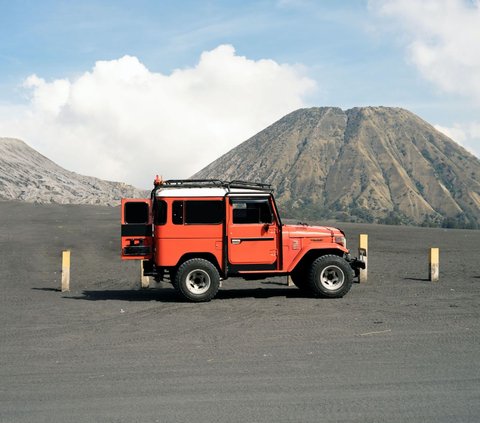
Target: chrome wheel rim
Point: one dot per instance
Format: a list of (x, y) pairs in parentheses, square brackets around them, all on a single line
[(332, 278), (198, 281)]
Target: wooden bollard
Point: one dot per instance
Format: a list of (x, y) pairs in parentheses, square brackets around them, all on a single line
[(363, 255), (434, 267), (65, 271), (144, 280)]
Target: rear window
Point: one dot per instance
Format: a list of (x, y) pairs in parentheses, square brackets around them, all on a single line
[(136, 212)]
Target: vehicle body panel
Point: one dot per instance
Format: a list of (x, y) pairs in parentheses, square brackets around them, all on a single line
[(248, 237)]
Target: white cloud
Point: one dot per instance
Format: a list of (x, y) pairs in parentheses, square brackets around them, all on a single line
[(465, 134), (456, 133), (443, 38), (122, 121)]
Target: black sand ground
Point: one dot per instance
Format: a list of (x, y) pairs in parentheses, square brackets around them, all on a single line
[(397, 349)]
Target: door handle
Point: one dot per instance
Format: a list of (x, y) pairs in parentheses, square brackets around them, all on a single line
[(236, 241)]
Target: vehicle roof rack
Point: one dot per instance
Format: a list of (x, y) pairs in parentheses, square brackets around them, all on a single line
[(250, 185), (192, 183), (215, 183)]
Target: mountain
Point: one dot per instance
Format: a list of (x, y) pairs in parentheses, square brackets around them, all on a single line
[(27, 175), (371, 164)]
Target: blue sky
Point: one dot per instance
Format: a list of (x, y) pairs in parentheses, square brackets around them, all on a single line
[(327, 53)]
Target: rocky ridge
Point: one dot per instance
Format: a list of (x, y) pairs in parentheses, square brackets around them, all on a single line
[(371, 164), (29, 176)]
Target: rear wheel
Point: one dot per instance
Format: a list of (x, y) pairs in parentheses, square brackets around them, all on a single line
[(330, 276), (197, 280)]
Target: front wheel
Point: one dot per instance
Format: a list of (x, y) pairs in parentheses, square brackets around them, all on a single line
[(330, 276), (197, 280)]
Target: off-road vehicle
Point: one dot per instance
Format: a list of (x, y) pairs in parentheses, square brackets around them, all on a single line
[(195, 233)]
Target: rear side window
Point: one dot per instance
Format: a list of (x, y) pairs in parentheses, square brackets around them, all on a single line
[(160, 212), (202, 212), (251, 211), (177, 212), (136, 213)]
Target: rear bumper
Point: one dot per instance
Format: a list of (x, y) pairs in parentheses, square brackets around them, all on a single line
[(137, 250)]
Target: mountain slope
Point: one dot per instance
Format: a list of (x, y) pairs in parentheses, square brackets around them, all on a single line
[(374, 164), (27, 175)]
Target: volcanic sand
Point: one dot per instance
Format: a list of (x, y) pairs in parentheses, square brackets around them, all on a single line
[(395, 349)]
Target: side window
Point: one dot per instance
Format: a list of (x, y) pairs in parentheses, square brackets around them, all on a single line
[(251, 211), (177, 212), (201, 212), (160, 212), (204, 212), (136, 212)]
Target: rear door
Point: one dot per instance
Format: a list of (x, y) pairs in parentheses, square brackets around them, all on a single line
[(252, 235), (137, 240)]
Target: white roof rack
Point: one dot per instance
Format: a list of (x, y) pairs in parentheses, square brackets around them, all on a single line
[(209, 188)]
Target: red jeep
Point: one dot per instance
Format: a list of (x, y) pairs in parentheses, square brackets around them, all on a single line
[(197, 232)]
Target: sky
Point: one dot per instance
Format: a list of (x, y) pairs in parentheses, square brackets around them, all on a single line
[(124, 90)]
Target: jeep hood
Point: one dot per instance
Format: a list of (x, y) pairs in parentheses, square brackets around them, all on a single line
[(306, 231)]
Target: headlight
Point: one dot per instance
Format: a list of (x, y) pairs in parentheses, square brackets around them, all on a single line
[(341, 240)]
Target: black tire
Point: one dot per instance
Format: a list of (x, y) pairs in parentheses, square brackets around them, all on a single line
[(197, 280), (330, 277)]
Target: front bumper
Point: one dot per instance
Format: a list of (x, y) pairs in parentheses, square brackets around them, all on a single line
[(356, 264)]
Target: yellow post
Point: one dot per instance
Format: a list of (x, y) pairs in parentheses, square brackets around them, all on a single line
[(363, 255), (65, 271), (144, 280), (434, 264)]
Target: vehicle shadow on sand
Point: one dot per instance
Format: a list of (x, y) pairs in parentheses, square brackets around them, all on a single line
[(169, 295), (417, 279), (48, 289)]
